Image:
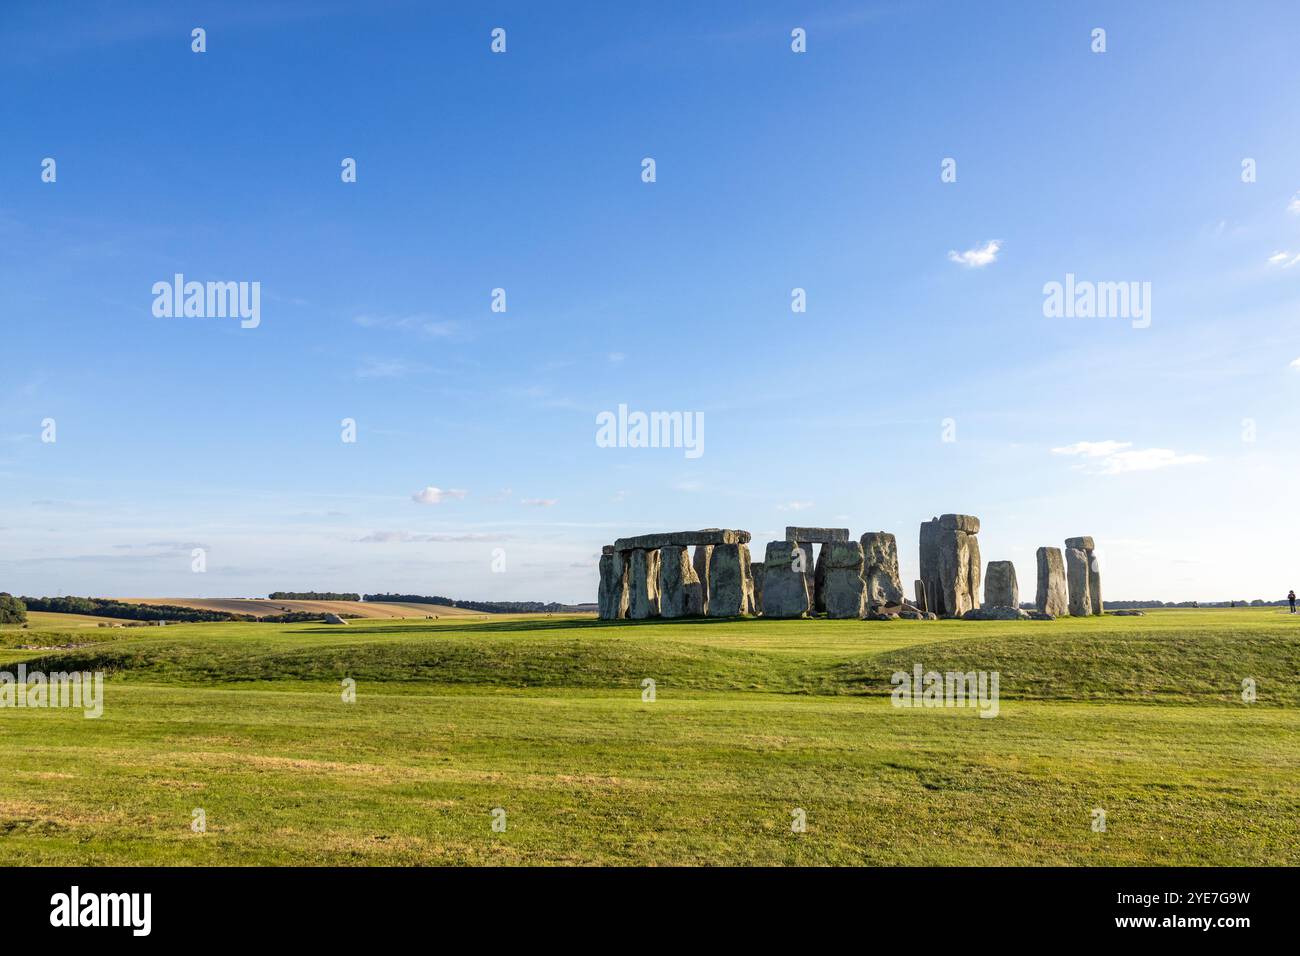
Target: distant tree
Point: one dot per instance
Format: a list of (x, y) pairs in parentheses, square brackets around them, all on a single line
[(12, 609), (313, 596)]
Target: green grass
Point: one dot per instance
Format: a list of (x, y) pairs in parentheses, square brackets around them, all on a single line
[(1140, 716)]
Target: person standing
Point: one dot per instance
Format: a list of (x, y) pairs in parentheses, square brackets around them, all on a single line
[(1291, 597)]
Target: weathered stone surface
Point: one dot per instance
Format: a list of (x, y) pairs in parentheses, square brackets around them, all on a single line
[(842, 589), (730, 583), (809, 566), (607, 549), (815, 535), (921, 602), (613, 597), (995, 614), (880, 568), (785, 590), (663, 539), (700, 560), (1052, 597), (678, 585), (643, 584), (882, 616), (756, 569), (950, 565), (1041, 616), (1094, 583), (1127, 613), (1076, 573), (1000, 587), (965, 523), (1083, 543)]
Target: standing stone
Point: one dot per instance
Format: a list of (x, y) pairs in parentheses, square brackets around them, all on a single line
[(819, 581), (785, 590), (950, 565), (612, 599), (701, 561), (643, 584), (1052, 597), (880, 568), (1000, 587), (1076, 568), (730, 583), (756, 569), (679, 592), (844, 588), (921, 603), (1089, 547)]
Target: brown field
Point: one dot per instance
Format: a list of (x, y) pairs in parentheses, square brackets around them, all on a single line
[(262, 607)]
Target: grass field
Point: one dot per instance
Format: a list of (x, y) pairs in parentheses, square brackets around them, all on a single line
[(1142, 717)]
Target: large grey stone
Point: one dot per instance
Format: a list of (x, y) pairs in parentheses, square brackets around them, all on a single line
[(1094, 583), (1000, 613), (965, 523), (785, 589), (1000, 586), (650, 542), (643, 584), (921, 603), (612, 598), (1083, 543), (816, 535), (950, 564), (678, 585), (842, 589), (880, 568), (1052, 597), (1076, 573), (730, 583), (700, 560)]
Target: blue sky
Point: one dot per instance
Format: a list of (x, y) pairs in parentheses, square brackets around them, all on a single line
[(522, 171)]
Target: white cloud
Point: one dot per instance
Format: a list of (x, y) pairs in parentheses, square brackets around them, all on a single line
[(1284, 259), (435, 496), (1118, 457), (1147, 459), (978, 257), (1293, 207), (421, 323), (794, 506), (383, 368), (539, 502), (1295, 363), (616, 357), (1093, 449), (404, 537)]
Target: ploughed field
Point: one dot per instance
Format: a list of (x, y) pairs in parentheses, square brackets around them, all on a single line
[(752, 721)]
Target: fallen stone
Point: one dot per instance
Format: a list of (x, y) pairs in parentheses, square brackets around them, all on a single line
[(995, 614), (1041, 615), (880, 568), (1052, 597), (1000, 587), (643, 584), (1076, 573), (730, 582), (785, 589), (1127, 613)]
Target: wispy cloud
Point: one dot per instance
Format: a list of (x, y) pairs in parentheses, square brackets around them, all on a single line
[(1119, 457), (420, 323), (409, 537), (1295, 364), (1293, 207), (371, 368), (539, 502), (794, 506), (978, 257), (1284, 259), (430, 495)]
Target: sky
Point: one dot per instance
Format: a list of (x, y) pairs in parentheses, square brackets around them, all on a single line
[(924, 376)]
